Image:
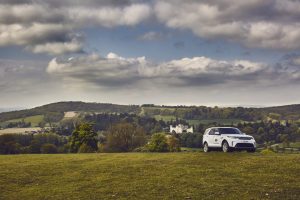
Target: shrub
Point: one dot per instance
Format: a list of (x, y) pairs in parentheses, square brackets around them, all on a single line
[(48, 148), (158, 143), (141, 149), (173, 144), (84, 148), (191, 140), (267, 151)]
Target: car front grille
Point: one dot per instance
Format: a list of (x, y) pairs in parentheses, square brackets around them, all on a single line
[(244, 145), (245, 138)]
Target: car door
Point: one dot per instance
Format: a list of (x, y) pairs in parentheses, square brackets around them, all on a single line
[(210, 138), (216, 138)]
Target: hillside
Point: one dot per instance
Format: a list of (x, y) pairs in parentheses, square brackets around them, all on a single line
[(69, 106), (192, 114), (150, 176)]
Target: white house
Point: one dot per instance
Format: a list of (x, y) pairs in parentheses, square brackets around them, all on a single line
[(180, 128)]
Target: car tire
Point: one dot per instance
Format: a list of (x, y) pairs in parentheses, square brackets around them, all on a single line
[(205, 147), (225, 147), (251, 150)]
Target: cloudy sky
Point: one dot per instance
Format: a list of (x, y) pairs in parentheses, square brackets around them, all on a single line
[(175, 52)]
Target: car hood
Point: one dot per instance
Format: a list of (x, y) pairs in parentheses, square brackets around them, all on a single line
[(237, 135)]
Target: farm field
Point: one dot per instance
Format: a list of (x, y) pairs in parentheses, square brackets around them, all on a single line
[(70, 114), (18, 130), (167, 118), (190, 175), (34, 120), (218, 121)]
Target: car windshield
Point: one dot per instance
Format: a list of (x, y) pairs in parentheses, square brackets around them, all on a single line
[(229, 131)]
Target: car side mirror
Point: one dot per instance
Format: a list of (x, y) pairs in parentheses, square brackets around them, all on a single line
[(217, 133)]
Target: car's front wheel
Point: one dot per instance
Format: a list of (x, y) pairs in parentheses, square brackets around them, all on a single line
[(225, 147), (205, 147)]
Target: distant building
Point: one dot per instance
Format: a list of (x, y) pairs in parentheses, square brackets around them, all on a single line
[(180, 128)]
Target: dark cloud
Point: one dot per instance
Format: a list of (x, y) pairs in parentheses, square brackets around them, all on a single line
[(272, 24), (51, 26), (116, 71)]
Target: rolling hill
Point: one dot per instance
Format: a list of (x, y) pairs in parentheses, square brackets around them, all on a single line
[(193, 114)]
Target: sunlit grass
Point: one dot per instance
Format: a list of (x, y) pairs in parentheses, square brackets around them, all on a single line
[(191, 175)]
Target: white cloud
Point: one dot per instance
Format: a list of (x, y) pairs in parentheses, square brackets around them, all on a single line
[(109, 17), (150, 36), (57, 48)]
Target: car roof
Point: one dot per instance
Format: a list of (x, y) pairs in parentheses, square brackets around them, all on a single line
[(221, 127)]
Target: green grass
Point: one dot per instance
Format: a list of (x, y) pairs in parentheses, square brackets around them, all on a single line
[(165, 118), (188, 149), (291, 145), (150, 176), (210, 121), (34, 120)]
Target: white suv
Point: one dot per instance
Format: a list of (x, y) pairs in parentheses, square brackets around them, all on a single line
[(227, 138)]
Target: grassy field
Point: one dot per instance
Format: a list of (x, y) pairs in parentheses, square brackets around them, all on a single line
[(150, 176), (34, 120), (210, 121), (167, 118), (19, 130)]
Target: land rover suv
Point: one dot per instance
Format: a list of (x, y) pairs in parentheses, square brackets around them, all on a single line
[(227, 139)]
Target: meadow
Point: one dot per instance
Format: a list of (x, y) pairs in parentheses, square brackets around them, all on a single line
[(186, 175), (34, 120)]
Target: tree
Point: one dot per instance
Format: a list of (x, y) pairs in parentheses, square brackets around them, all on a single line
[(83, 134), (260, 131), (35, 146), (158, 143), (124, 137), (51, 117), (8, 145), (48, 148), (275, 116)]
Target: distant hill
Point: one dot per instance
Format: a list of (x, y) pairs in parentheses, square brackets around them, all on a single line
[(284, 110), (69, 106), (183, 112)]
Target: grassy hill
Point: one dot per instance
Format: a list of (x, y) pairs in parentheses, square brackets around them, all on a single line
[(61, 107), (150, 176)]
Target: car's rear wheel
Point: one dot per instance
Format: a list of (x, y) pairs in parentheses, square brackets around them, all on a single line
[(225, 147), (205, 147)]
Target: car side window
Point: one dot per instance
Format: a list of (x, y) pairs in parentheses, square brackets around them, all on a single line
[(216, 130), (211, 132)]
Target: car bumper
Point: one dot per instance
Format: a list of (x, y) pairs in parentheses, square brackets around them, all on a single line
[(243, 145)]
